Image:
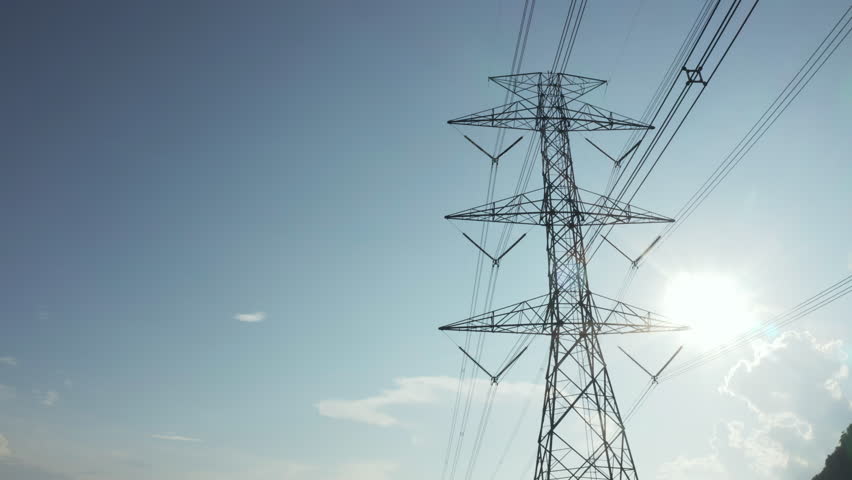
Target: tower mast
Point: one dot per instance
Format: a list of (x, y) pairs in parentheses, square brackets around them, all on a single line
[(582, 433)]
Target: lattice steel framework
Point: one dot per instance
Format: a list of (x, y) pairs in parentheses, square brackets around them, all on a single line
[(579, 402)]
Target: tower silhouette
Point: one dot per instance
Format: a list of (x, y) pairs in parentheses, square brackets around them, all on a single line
[(582, 433)]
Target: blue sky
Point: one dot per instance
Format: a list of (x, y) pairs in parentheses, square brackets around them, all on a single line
[(170, 167)]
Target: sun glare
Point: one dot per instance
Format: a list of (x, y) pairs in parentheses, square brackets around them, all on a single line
[(715, 307)]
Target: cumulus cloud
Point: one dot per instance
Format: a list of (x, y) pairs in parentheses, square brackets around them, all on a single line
[(174, 438), (792, 364), (412, 391), (8, 361), (739, 452), (4, 447), (793, 391), (250, 317)]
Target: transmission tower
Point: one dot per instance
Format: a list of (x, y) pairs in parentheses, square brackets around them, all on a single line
[(582, 433)]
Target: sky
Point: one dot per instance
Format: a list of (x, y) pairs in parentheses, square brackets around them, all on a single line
[(224, 253)]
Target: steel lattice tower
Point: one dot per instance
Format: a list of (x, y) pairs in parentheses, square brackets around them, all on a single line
[(579, 400)]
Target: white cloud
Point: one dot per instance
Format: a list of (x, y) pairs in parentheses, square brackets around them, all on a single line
[(412, 391), (792, 363), (8, 361), (48, 398), (740, 452), (4, 447), (250, 317), (793, 393), (832, 385), (175, 438), (369, 470), (707, 467), (765, 454)]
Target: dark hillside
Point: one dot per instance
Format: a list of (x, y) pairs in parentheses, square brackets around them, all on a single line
[(838, 465)]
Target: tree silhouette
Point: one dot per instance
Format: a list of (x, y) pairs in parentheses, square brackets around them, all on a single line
[(838, 465)]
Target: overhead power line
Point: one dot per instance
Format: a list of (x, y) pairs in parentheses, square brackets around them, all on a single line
[(812, 65), (572, 317), (463, 403), (548, 105), (803, 309), (826, 48), (820, 300), (698, 60)]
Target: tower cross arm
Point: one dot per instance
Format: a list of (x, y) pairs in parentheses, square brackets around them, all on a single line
[(616, 317), (526, 84), (533, 317), (578, 393), (528, 317), (526, 114), (526, 209)]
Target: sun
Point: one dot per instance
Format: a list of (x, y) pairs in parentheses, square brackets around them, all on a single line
[(716, 307)]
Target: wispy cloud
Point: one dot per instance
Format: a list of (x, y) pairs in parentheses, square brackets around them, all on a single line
[(48, 398), (700, 468), (412, 391), (6, 392), (264, 468), (175, 438), (250, 317), (367, 470), (4, 447), (8, 361)]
